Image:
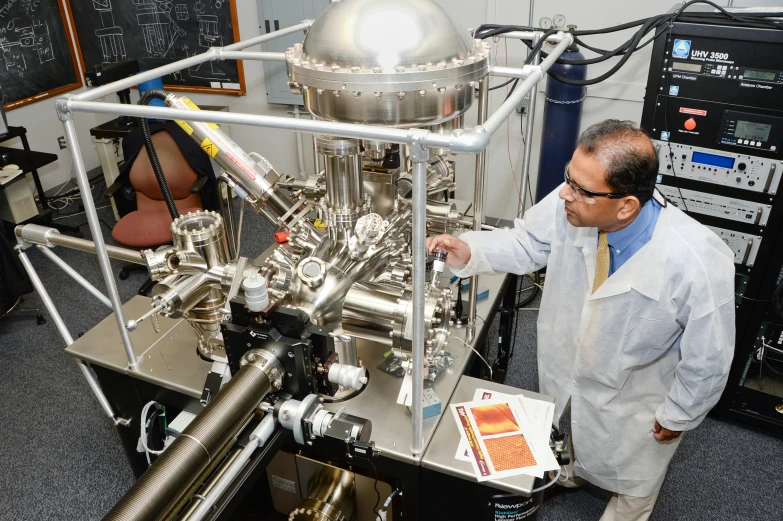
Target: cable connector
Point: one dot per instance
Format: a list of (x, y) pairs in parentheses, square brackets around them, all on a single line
[(363, 450)]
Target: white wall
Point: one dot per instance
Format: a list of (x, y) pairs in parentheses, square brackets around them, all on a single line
[(619, 97)]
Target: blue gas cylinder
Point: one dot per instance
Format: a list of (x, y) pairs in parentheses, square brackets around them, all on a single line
[(562, 119)]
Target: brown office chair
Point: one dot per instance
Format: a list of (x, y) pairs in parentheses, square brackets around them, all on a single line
[(149, 225)]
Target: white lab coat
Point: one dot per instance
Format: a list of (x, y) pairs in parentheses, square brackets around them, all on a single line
[(654, 342)]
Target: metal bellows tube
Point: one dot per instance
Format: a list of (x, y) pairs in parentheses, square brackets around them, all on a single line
[(331, 495), (171, 477)]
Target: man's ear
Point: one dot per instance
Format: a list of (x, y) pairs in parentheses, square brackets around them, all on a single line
[(629, 207)]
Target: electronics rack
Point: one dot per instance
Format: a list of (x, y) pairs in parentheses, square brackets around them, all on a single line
[(714, 108)]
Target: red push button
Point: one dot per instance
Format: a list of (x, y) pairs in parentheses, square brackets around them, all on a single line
[(690, 124)]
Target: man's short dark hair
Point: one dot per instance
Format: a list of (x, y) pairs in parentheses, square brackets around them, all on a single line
[(627, 152)]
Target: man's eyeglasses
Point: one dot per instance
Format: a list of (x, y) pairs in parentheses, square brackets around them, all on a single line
[(584, 195)]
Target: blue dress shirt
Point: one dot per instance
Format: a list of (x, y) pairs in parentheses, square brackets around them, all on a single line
[(627, 241)]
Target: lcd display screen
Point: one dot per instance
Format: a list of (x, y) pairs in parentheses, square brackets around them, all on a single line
[(752, 130), (713, 160), (688, 67), (759, 75)]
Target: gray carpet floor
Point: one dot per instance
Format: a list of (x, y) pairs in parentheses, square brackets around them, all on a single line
[(61, 459)]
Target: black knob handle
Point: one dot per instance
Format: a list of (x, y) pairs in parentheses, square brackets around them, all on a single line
[(741, 166)]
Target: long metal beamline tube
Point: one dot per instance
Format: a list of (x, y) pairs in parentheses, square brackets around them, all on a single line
[(161, 488), (58, 321), (258, 438), (419, 199), (159, 72), (97, 234), (478, 204), (56, 239), (75, 275), (529, 122)]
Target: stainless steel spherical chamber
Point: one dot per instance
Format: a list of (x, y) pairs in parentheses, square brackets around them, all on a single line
[(404, 63)]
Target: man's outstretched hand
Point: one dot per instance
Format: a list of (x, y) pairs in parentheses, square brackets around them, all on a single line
[(663, 434), (459, 251)]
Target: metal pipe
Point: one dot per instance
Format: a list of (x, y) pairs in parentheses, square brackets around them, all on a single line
[(161, 489), (299, 147), (75, 275), (58, 321), (54, 238), (159, 72), (316, 157), (258, 438), (249, 55), (227, 212), (511, 72), (530, 35), (238, 46), (100, 246), (478, 204), (529, 122), (459, 141), (394, 135), (419, 200), (504, 111)]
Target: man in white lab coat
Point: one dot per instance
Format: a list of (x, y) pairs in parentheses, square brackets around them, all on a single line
[(636, 325)]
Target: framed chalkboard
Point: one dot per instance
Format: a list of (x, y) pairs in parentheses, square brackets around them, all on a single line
[(37, 57), (157, 32)]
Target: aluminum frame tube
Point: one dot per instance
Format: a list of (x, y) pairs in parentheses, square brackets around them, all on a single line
[(61, 327), (250, 55), (504, 111), (511, 72), (212, 54), (97, 234), (529, 122), (75, 275), (478, 205), (419, 200), (75, 243)]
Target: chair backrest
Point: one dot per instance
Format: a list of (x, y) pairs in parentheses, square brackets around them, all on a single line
[(179, 174)]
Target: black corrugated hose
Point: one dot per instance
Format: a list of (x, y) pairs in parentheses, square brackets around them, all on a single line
[(147, 137)]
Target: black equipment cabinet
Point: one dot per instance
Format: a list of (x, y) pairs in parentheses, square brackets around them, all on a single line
[(714, 108)]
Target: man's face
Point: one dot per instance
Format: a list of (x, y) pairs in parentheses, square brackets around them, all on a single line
[(601, 212)]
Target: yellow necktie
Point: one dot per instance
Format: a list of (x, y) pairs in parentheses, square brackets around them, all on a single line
[(602, 260)]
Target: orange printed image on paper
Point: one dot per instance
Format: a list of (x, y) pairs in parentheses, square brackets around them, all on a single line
[(510, 452), (494, 419)]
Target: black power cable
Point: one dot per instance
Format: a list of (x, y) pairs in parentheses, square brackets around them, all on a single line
[(633, 44), (154, 161)]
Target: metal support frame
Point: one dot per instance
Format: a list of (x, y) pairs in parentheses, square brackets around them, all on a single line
[(531, 114), (478, 204), (52, 309), (474, 141), (419, 156)]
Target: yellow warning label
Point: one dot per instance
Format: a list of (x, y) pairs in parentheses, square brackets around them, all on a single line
[(190, 104), (193, 106), (184, 125), (209, 147)]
